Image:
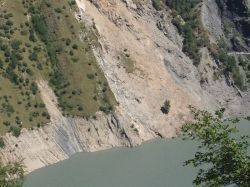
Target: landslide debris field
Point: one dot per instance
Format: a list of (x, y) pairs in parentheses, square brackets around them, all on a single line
[(42, 40)]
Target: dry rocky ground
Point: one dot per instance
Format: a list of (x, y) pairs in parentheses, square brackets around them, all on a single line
[(160, 71)]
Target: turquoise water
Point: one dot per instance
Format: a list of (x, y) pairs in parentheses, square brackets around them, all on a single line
[(156, 163)]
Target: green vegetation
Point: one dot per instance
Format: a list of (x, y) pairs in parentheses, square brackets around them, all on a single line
[(230, 65), (77, 80), (2, 144), (222, 158), (127, 62), (166, 107), (21, 64), (157, 4), (11, 175), (43, 40), (186, 19)]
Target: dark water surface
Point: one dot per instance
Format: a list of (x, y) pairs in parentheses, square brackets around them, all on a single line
[(156, 163)]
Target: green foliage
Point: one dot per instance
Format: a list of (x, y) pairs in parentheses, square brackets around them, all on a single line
[(74, 46), (183, 7), (57, 80), (62, 47), (33, 56), (2, 144), (230, 65), (15, 44), (58, 10), (127, 62), (166, 107), (19, 64), (39, 47), (222, 158), (16, 131), (238, 78), (190, 44), (90, 76), (72, 2), (243, 62), (157, 4), (192, 39), (106, 109), (11, 174), (7, 108), (40, 27), (33, 88)]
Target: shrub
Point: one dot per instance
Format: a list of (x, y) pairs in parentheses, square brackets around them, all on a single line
[(16, 131), (40, 27), (90, 76), (2, 144), (34, 88), (57, 80), (222, 155), (68, 41), (58, 10), (105, 109), (192, 39), (6, 123), (72, 3), (74, 46), (166, 107), (15, 44), (157, 4), (33, 56), (71, 53), (230, 66), (32, 35), (80, 108), (1, 64)]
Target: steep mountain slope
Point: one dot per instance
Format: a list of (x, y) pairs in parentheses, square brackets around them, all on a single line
[(236, 14), (37, 42), (139, 51)]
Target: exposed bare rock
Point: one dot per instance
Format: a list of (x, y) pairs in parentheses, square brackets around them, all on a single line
[(64, 137), (130, 4), (160, 71), (225, 95), (247, 2), (236, 23), (211, 19), (168, 29)]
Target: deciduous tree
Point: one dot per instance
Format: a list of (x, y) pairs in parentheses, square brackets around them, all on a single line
[(222, 157)]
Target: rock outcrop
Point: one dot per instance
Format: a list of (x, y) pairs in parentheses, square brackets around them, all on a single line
[(160, 71), (236, 22), (211, 19), (64, 137)]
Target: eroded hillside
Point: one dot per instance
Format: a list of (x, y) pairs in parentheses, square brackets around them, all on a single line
[(42, 40), (108, 66)]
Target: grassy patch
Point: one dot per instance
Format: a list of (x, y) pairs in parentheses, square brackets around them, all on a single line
[(21, 63), (41, 39), (127, 62), (78, 82)]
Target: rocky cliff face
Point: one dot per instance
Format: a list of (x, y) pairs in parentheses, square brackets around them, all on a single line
[(235, 16), (64, 137), (141, 56)]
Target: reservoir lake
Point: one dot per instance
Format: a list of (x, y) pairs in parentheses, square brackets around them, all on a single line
[(157, 163)]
